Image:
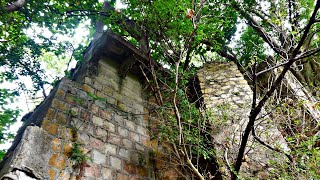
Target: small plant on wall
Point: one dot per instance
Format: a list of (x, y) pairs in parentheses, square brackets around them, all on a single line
[(78, 157)]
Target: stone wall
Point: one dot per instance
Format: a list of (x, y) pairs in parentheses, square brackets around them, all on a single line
[(102, 113), (227, 93)]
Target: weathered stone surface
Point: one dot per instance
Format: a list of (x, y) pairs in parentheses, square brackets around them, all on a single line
[(34, 149), (17, 175), (123, 131), (109, 126), (124, 153), (115, 162), (230, 93), (106, 173), (97, 120), (92, 171), (127, 143), (98, 157), (57, 161), (110, 148), (134, 136), (50, 127), (97, 112)]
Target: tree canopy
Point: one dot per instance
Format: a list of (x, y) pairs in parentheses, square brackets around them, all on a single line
[(179, 34)]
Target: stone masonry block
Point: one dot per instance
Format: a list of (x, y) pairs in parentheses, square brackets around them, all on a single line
[(56, 103), (98, 157), (124, 153), (94, 109), (109, 126), (134, 136), (60, 94), (83, 95), (93, 171), (101, 133), (67, 149), (71, 99), (66, 133), (115, 162), (122, 176), (87, 127), (105, 114), (56, 145), (107, 90), (62, 118), (141, 130), (88, 81), (52, 174), (88, 88), (122, 106), (75, 111), (111, 100), (130, 125), (117, 96), (110, 149), (97, 144), (50, 127), (58, 161), (119, 119), (83, 137), (127, 143), (139, 147), (97, 120), (107, 173), (85, 115), (114, 138), (100, 103), (101, 95), (50, 114), (123, 131), (97, 86), (65, 175)]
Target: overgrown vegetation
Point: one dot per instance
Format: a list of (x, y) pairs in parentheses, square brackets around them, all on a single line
[(78, 157)]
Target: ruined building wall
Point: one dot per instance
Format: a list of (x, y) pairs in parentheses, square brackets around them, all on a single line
[(225, 91), (107, 116), (103, 113)]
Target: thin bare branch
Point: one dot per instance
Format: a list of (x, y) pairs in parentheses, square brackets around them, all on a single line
[(268, 146), (308, 54), (311, 21), (260, 30), (272, 68)]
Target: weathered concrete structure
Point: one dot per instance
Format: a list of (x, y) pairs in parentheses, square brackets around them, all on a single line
[(106, 115)]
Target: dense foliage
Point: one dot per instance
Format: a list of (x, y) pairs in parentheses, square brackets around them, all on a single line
[(178, 34)]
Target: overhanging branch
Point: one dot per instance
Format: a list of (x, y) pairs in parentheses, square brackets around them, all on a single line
[(15, 5)]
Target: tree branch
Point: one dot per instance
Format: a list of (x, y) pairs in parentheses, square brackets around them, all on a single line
[(262, 33), (308, 54), (15, 5), (312, 20), (268, 146), (255, 111), (273, 67)]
